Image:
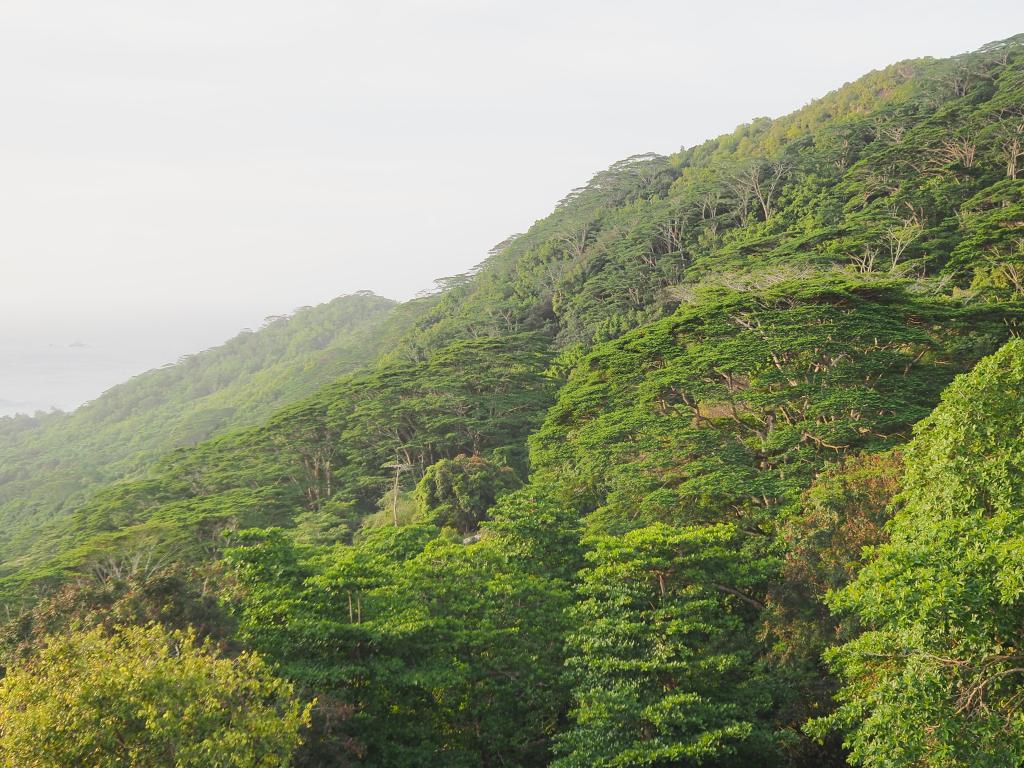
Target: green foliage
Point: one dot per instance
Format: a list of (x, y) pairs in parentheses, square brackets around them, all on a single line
[(458, 492), (724, 411), (332, 454), (935, 678), (419, 649), (332, 522), (538, 534), (885, 175), (842, 513), (123, 591), (844, 510), (662, 654), (143, 697), (481, 641)]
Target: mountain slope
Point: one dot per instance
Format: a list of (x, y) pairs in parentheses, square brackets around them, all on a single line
[(905, 171), (900, 174), (51, 461), (328, 453), (665, 420)]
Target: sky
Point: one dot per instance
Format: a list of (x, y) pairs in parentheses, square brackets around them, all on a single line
[(173, 172)]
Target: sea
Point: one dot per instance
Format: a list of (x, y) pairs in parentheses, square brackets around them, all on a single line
[(64, 376)]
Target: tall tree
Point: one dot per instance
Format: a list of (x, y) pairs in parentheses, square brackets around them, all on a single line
[(937, 676), (662, 654), (144, 697)]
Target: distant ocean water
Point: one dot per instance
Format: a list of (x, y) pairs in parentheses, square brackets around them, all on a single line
[(63, 376)]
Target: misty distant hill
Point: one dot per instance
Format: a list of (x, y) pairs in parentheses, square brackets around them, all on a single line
[(50, 459)]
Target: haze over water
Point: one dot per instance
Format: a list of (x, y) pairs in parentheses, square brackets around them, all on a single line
[(40, 378)]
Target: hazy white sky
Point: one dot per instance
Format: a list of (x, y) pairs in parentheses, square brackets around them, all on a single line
[(173, 171)]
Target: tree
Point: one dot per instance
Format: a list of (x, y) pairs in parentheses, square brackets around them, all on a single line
[(312, 612), (176, 597), (844, 510), (458, 492), (662, 654), (420, 650), (146, 698), (937, 676), (901, 236), (335, 521), (759, 181), (1010, 133), (481, 640)]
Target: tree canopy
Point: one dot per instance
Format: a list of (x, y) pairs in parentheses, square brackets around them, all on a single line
[(145, 697)]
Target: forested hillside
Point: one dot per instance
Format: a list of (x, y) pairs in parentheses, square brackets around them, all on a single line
[(719, 464), (49, 461)]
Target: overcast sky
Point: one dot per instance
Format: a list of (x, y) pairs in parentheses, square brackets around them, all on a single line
[(171, 172)]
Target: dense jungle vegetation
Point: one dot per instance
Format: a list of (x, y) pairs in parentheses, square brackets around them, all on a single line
[(720, 464)]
